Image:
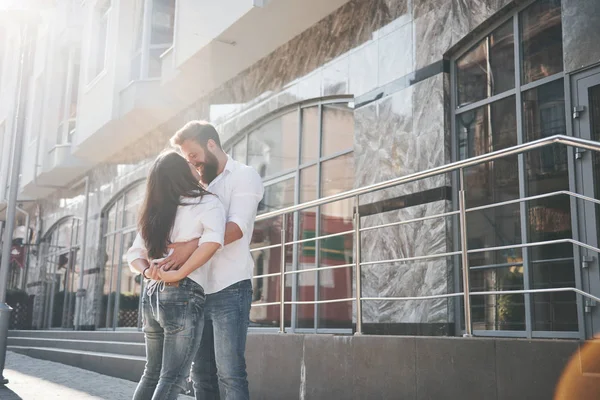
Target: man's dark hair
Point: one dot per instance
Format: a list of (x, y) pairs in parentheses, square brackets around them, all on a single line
[(199, 131)]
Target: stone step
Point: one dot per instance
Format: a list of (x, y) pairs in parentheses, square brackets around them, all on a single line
[(116, 365), (132, 336), (96, 346)]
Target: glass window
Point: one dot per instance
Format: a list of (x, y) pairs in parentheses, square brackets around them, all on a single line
[(239, 151), (163, 22), (541, 37), (338, 129), (146, 62), (483, 71), (488, 68), (337, 176), (273, 148), (310, 134), (99, 37), (277, 196)]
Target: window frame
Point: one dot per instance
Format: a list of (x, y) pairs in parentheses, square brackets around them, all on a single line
[(101, 13), (517, 92), (244, 135), (146, 47)]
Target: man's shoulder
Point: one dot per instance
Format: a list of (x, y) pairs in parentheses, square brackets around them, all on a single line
[(243, 171)]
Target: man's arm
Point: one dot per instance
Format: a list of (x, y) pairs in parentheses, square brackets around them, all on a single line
[(232, 233), (247, 193)]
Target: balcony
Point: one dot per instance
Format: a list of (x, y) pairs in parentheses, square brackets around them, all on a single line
[(215, 41), (56, 168)]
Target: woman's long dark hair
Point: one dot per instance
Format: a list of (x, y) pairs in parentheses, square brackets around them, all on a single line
[(169, 179)]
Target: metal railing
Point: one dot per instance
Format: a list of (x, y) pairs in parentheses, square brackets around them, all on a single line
[(461, 212)]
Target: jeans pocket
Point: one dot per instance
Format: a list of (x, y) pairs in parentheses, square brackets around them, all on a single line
[(173, 316)]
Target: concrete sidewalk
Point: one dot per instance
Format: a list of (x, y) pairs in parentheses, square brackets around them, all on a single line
[(32, 379)]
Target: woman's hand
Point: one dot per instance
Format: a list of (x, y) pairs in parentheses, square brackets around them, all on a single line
[(170, 276)]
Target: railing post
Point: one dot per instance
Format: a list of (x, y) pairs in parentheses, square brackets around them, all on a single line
[(282, 280), (357, 263), (465, 255)]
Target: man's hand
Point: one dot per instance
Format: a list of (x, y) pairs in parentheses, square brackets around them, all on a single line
[(181, 253), (170, 276)]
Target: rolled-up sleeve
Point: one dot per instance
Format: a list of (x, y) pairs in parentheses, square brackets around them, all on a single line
[(137, 251), (212, 219), (248, 191)]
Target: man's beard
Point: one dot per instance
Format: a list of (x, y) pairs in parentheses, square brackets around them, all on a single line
[(209, 169)]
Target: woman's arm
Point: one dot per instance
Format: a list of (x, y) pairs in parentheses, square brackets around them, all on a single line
[(211, 217)]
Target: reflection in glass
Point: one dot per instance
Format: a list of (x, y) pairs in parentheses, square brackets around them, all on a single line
[(480, 131), (268, 289), (130, 288), (239, 151), (337, 176), (549, 218), (163, 22), (273, 147), (277, 196), (338, 129), (594, 99), (310, 134), (133, 200), (488, 68), (541, 36)]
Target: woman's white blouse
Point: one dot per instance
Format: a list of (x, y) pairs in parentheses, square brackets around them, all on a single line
[(204, 219)]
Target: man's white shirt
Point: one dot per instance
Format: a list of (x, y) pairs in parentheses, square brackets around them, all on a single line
[(240, 189)]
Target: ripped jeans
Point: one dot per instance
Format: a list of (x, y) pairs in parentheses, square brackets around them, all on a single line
[(173, 327)]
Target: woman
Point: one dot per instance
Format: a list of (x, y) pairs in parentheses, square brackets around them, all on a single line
[(176, 209)]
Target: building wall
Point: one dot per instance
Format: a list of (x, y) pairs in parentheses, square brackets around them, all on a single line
[(388, 55)]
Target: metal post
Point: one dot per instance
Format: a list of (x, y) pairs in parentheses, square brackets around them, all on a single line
[(22, 81), (81, 292), (358, 271), (464, 254), (25, 269), (282, 281)]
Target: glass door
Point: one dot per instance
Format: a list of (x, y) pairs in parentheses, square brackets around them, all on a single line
[(586, 124)]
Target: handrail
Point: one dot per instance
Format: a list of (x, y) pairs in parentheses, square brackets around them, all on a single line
[(462, 212), (518, 149)]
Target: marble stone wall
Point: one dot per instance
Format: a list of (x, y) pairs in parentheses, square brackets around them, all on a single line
[(581, 33), (364, 46)]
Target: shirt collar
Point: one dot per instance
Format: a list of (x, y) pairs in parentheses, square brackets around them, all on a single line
[(230, 166)]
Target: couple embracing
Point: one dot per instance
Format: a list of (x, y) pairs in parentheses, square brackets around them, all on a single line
[(192, 248)]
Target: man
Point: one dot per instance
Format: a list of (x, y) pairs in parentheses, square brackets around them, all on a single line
[(227, 281)]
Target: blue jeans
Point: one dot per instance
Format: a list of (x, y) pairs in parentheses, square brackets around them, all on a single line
[(173, 331), (221, 360)]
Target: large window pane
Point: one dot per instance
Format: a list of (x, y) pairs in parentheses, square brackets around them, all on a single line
[(549, 218), (488, 68), (273, 148), (163, 21), (594, 97), (305, 313), (541, 36), (130, 289), (268, 289), (239, 151), (277, 195), (338, 129), (337, 176), (498, 312), (310, 134), (133, 201), (489, 128), (483, 130)]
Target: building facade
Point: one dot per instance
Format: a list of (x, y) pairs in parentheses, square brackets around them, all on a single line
[(321, 98)]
